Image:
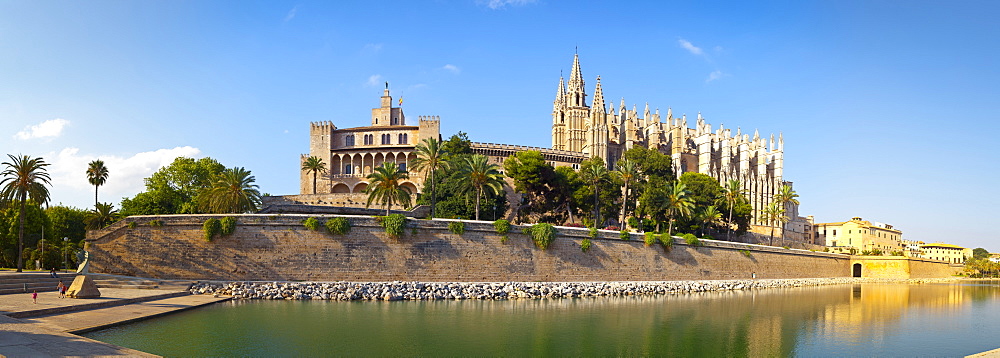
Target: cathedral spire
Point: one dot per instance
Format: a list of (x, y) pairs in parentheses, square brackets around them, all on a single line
[(598, 97), (560, 94), (577, 93)]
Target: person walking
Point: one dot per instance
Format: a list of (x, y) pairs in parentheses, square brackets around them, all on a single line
[(62, 289), (34, 296)]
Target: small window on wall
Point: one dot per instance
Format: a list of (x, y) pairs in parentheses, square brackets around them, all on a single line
[(402, 167), (349, 141), (402, 138), (347, 169), (386, 138)]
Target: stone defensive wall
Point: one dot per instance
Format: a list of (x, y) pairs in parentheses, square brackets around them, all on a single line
[(280, 248)]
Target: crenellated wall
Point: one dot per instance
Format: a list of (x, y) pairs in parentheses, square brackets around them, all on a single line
[(279, 247)]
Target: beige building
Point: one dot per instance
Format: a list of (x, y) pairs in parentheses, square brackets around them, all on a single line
[(945, 252), (599, 129), (911, 248), (859, 235), (353, 153)]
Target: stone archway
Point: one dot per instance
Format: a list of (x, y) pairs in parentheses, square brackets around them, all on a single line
[(360, 188), (340, 188)]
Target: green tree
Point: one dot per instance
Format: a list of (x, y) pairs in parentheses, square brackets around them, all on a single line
[(773, 215), (430, 159), (233, 191), (35, 223), (453, 198), (315, 165), (538, 182), (24, 178), (188, 177), (595, 172), (155, 202), (457, 144), (628, 171), (385, 186), (708, 216), (704, 191), (97, 174), (479, 174), (677, 203), (980, 253), (66, 222), (732, 194), (102, 216)]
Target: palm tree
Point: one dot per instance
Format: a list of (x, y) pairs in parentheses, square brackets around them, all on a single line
[(772, 215), (784, 196), (233, 191), (677, 202), (628, 171), (24, 179), (315, 165), (708, 216), (596, 174), (104, 214), (732, 194), (385, 185), (430, 157), (97, 174), (478, 174)]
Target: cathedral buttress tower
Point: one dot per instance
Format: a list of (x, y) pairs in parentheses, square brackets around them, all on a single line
[(559, 117)]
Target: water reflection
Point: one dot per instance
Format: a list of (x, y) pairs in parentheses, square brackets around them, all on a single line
[(866, 319)]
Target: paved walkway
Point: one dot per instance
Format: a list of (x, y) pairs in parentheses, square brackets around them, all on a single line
[(45, 329)]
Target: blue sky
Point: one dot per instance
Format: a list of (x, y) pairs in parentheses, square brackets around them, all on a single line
[(888, 108)]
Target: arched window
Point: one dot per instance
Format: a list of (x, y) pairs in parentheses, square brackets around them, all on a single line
[(349, 141), (402, 138), (386, 138)]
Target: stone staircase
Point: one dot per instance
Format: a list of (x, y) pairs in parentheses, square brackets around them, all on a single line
[(25, 282), (117, 281)]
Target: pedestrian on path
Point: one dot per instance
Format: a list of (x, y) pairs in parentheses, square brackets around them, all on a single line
[(34, 296), (62, 289)]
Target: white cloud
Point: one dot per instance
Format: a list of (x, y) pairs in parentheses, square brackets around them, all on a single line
[(687, 45), (715, 75), (500, 4), (371, 48), (291, 13), (50, 128), (452, 68), (125, 178), (374, 81)]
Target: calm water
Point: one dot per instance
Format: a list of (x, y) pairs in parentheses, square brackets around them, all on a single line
[(847, 320)]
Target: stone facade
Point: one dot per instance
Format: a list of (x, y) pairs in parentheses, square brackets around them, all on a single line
[(352, 153), (598, 129), (279, 247)]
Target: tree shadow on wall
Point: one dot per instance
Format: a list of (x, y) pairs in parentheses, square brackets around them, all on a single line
[(430, 251), (681, 255), (594, 257)]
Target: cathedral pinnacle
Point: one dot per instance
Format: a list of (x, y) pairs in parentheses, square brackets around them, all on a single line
[(577, 94), (598, 96)]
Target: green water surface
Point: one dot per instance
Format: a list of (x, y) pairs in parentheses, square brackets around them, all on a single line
[(846, 320)]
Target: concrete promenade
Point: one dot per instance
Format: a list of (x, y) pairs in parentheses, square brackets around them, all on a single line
[(46, 329)]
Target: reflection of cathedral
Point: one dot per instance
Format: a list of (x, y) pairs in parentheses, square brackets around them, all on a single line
[(598, 129)]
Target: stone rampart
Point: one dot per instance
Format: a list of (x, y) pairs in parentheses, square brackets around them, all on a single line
[(901, 267), (279, 247)]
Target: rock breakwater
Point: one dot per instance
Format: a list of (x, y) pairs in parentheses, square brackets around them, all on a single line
[(400, 290)]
